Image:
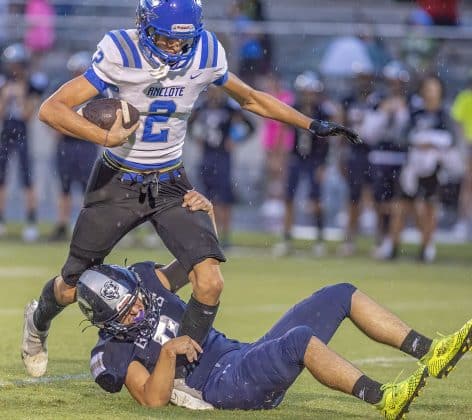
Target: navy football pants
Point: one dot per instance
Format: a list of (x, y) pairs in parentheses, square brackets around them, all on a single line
[(258, 375)]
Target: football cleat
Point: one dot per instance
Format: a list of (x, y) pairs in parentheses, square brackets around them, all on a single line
[(34, 351), (282, 249), (446, 351), (184, 396), (385, 251), (30, 233), (397, 397)]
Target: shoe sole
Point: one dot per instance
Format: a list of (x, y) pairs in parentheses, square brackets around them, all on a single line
[(421, 384), (465, 347)]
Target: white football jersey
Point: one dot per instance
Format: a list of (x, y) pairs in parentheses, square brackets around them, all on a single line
[(119, 70)]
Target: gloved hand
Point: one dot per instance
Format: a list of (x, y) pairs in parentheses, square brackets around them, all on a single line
[(326, 128)]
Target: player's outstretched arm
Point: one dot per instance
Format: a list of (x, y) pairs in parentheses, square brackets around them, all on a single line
[(267, 106), (58, 111), (154, 390)]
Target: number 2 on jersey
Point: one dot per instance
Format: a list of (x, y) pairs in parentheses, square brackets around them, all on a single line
[(165, 109)]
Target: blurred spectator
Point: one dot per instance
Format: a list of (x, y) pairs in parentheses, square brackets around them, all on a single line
[(277, 140), (74, 159), (40, 27), (19, 98), (462, 113), (442, 12), (64, 9), (361, 114), (307, 160), (344, 56), (431, 140), (418, 50), (376, 48), (254, 49), (253, 9), (388, 155), (219, 124)]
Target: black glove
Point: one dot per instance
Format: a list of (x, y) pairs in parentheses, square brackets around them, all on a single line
[(326, 128)]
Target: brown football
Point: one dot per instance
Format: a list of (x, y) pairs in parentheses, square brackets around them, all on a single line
[(102, 112)]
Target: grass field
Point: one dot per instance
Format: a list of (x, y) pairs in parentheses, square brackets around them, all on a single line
[(258, 289)]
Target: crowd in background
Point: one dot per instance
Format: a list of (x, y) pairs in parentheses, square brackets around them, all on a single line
[(416, 159)]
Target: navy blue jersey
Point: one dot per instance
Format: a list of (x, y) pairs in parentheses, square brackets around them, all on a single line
[(422, 119), (215, 126), (308, 145), (36, 85), (111, 357), (360, 111), (429, 127)]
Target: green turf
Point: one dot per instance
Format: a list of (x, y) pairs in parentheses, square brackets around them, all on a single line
[(258, 289)]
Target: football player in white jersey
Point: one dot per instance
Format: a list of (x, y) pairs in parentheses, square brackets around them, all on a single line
[(160, 67)]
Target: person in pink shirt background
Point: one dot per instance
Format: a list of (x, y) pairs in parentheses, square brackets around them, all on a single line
[(277, 140)]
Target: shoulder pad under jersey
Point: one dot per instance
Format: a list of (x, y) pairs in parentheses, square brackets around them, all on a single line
[(213, 55), (116, 52)]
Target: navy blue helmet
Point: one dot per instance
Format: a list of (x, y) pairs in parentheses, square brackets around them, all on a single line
[(105, 294), (175, 19)]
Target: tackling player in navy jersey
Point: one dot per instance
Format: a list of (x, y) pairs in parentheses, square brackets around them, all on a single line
[(139, 317), (160, 67)]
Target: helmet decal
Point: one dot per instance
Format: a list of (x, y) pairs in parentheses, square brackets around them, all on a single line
[(110, 290)]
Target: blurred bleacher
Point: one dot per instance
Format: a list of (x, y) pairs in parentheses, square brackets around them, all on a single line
[(299, 30), (81, 23)]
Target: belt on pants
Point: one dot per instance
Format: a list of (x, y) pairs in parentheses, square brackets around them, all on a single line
[(141, 178), (149, 182)]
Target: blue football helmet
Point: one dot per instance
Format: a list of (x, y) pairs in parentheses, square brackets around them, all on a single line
[(174, 19), (105, 294)]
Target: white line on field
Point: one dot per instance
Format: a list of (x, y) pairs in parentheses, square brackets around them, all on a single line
[(378, 360), (44, 380)]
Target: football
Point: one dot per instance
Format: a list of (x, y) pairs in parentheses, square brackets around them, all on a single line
[(102, 112)]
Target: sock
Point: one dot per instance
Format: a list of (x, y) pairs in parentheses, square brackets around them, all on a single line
[(198, 320), (31, 216), (416, 345), (47, 308), (367, 390)]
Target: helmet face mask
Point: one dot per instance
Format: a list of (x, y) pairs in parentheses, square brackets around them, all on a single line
[(163, 21)]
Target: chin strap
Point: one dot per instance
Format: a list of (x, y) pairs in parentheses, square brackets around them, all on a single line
[(160, 72)]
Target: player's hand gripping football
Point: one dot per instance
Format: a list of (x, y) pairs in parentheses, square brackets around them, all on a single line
[(327, 128), (183, 345), (118, 135)]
